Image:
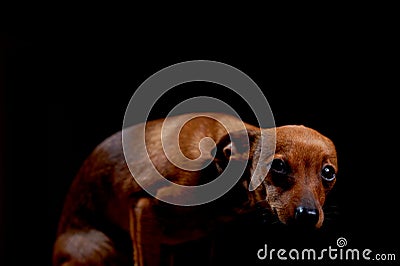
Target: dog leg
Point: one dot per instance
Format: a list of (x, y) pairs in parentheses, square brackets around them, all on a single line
[(145, 233), (86, 247)]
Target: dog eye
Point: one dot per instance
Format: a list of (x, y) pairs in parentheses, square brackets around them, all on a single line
[(280, 178), (328, 173), (279, 166)]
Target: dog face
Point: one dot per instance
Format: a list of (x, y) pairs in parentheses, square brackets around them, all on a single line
[(303, 171)]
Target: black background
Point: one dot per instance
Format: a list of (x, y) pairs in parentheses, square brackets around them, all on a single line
[(67, 90)]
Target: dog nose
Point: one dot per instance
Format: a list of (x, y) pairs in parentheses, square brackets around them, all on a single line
[(306, 216)]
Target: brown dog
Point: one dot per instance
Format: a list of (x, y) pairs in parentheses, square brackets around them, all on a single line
[(107, 216)]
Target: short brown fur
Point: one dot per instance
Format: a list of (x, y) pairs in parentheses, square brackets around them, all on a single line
[(109, 220)]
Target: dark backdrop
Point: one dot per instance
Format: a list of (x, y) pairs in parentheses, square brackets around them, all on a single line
[(64, 92)]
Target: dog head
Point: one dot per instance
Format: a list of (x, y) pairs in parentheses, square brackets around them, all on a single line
[(302, 171)]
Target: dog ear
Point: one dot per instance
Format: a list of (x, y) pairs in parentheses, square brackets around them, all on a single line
[(262, 157), (235, 146)]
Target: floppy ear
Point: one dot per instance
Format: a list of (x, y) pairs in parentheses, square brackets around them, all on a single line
[(235, 146)]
